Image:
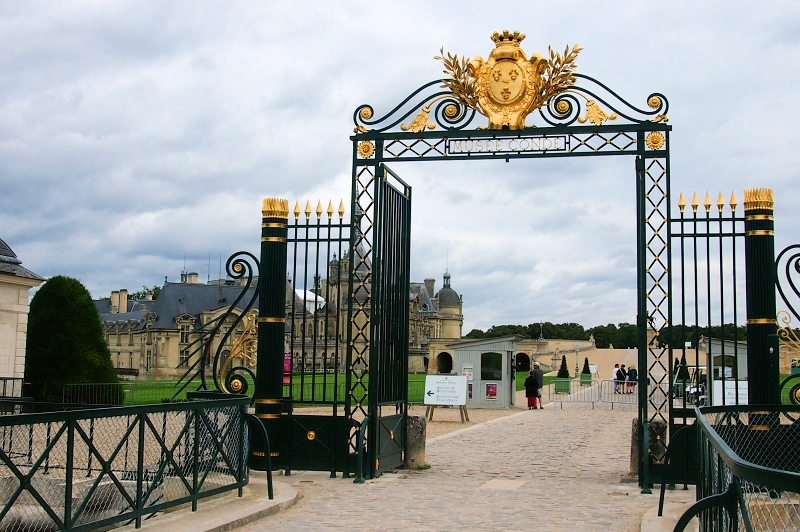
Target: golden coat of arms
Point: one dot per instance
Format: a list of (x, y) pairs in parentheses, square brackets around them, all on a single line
[(508, 86)]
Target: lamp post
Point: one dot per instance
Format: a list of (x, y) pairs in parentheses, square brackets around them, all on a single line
[(577, 348)]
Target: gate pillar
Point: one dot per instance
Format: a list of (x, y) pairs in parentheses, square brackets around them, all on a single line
[(268, 392), (762, 350)]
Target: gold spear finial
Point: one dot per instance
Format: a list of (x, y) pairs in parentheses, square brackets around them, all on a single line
[(681, 202), (734, 202), (330, 209), (297, 209), (319, 209), (720, 202), (695, 203), (341, 209), (308, 209), (707, 202)]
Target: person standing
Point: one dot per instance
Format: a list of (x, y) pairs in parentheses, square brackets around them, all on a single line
[(538, 378), (622, 376), (615, 378), (530, 390), (632, 376)]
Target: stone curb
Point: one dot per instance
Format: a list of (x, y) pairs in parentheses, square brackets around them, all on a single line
[(226, 513)]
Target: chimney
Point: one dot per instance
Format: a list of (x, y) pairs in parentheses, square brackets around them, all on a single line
[(114, 302), (123, 300), (184, 276), (193, 278), (429, 284), (148, 297)]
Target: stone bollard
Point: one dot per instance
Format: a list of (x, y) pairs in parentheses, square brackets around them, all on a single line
[(415, 442)]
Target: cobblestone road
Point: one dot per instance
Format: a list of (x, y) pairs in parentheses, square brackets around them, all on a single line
[(543, 470)]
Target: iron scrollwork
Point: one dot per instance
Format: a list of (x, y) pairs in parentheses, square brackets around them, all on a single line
[(506, 88), (226, 373), (788, 284)]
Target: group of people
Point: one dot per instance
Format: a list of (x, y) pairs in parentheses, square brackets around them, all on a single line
[(624, 380), (533, 387)]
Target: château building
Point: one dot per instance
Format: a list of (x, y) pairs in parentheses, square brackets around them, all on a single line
[(158, 339)]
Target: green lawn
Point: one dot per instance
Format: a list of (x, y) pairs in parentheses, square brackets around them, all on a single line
[(321, 388)]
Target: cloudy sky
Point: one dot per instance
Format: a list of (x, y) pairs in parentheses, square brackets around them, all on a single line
[(134, 133)]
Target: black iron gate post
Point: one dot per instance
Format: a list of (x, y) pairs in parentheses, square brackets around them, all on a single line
[(762, 326), (268, 393)]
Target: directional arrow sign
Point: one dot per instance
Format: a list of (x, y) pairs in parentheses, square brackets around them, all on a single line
[(446, 390)]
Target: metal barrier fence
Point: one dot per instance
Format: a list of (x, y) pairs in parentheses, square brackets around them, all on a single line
[(749, 469), (87, 469), (10, 387), (580, 391)]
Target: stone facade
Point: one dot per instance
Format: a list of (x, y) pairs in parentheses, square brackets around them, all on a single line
[(15, 281), (156, 339)]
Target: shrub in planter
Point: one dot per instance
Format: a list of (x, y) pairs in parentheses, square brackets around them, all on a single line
[(562, 386), (586, 374)]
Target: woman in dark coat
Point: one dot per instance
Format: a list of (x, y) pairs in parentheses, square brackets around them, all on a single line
[(533, 385), (530, 390)]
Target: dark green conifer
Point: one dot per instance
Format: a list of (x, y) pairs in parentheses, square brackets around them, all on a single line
[(65, 341)]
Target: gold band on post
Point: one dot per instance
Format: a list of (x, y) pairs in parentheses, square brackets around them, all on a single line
[(268, 401), (758, 217), (760, 232), (268, 416), (274, 225), (269, 319), (273, 239), (762, 321)]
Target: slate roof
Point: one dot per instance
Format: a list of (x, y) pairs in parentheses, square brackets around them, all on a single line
[(447, 296), (11, 265), (426, 305), (176, 299)]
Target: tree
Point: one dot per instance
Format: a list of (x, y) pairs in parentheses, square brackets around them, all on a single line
[(65, 340), (563, 371), (586, 370), (144, 292)]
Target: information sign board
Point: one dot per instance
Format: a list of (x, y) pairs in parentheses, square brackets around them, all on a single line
[(448, 390)]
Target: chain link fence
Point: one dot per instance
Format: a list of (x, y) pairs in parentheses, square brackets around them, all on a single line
[(749, 469), (100, 467)]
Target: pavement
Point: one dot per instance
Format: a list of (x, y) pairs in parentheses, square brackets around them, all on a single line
[(551, 469)]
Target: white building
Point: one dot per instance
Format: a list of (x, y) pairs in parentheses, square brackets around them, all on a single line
[(15, 281)]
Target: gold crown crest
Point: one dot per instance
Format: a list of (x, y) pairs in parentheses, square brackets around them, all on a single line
[(507, 37), (758, 198), (275, 208)]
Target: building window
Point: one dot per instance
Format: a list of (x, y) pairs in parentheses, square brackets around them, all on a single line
[(185, 330), (130, 360), (184, 356), (118, 360), (491, 366)]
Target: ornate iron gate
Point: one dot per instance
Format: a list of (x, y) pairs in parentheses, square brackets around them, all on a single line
[(388, 350), (576, 116)]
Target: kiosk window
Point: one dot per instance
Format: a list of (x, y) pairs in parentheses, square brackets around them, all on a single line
[(491, 366)]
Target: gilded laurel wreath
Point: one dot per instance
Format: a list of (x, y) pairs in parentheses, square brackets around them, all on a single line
[(461, 83)]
